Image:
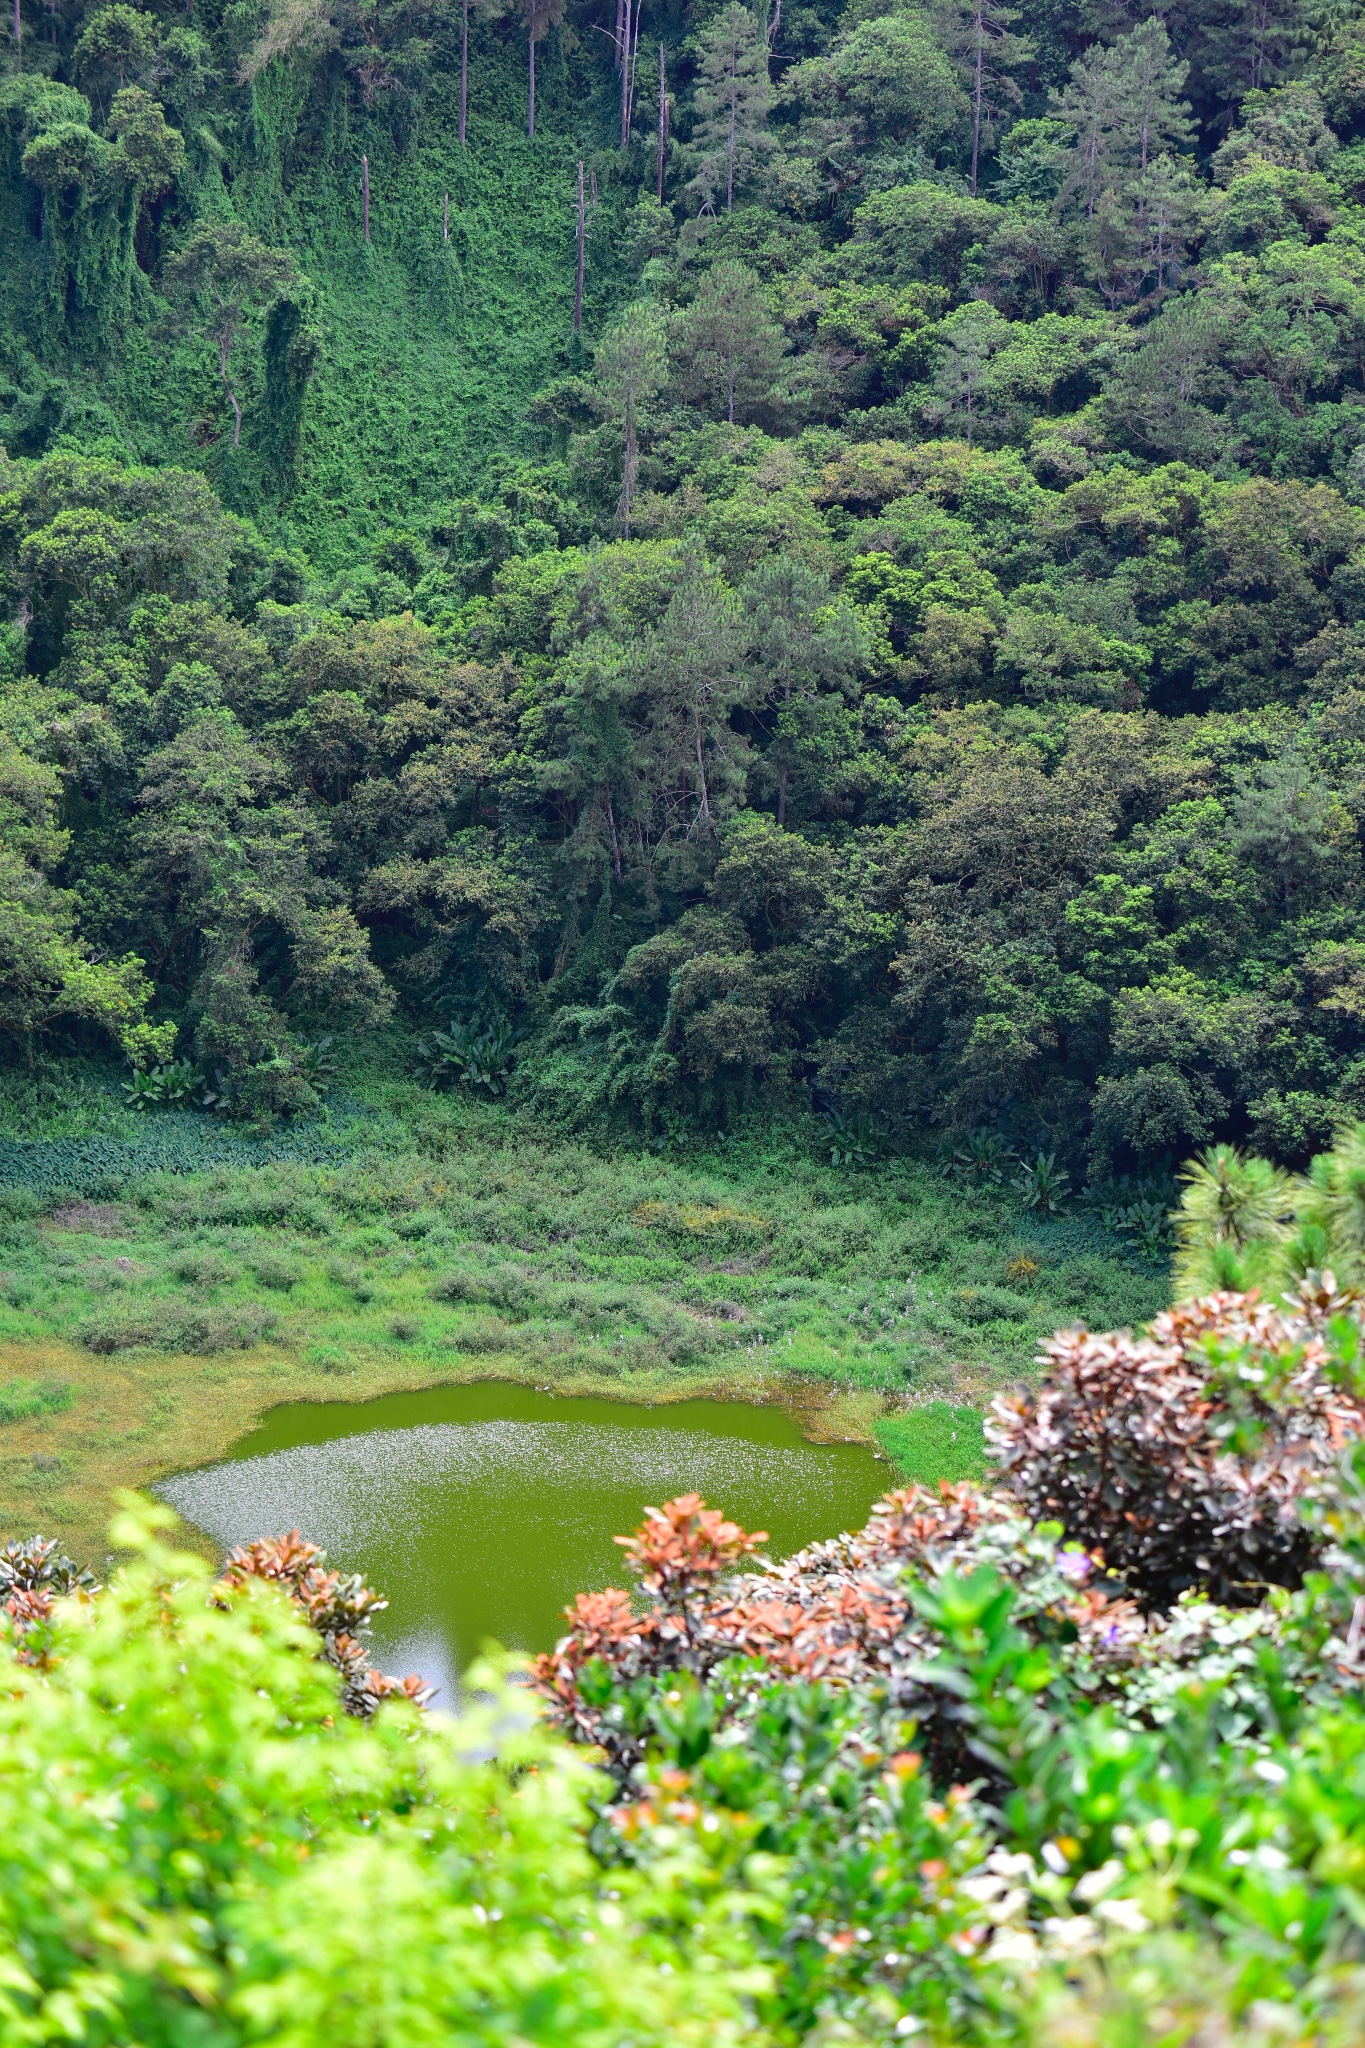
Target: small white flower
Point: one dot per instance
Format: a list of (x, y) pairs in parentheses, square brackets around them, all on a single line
[(1014, 1947), (1273, 1773), (1054, 1859), (1069, 1938), (1271, 1858), (1160, 1834), (1125, 1914), (1010, 1907), (1096, 1883), (981, 1890), (909, 2025)]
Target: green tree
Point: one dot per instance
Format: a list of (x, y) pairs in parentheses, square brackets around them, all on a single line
[(231, 887), (45, 972), (87, 538), (728, 351), (631, 368), (152, 151), (223, 273), (804, 646), (1249, 45), (885, 90), (981, 37), (730, 103), (971, 338), (1123, 107), (116, 39)]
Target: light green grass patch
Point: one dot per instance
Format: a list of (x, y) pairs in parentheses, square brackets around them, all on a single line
[(935, 1441)]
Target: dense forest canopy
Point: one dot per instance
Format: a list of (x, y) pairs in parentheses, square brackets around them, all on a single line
[(829, 574)]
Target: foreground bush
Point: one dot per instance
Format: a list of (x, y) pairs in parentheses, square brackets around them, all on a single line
[(197, 1845), (1021, 1793)]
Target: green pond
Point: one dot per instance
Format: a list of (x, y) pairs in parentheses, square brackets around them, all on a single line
[(479, 1511)]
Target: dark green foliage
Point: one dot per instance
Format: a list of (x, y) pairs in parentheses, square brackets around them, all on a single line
[(901, 664), (468, 1056)]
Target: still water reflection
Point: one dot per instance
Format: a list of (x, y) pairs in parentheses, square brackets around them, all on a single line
[(480, 1510)]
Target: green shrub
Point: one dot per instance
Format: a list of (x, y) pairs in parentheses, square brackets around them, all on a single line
[(275, 1272), (326, 1358), (988, 1304), (174, 1326), (20, 1399), (196, 1844)]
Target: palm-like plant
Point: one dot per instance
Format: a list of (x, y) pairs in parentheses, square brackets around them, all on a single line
[(176, 1085), (468, 1056), (982, 1157), (1231, 1224), (857, 1139), (1044, 1185), (1330, 1210)]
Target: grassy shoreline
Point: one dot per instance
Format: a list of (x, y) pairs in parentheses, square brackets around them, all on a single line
[(138, 1418), (178, 1278)]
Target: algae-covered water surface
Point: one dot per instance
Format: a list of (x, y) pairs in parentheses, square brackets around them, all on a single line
[(481, 1510)]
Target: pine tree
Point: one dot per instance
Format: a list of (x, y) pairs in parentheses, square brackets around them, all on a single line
[(1252, 44), (728, 348), (730, 104), (980, 35), (1123, 105), (631, 367), (1150, 78), (1091, 105)]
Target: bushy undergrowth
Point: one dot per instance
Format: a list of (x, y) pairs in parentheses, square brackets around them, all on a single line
[(497, 1236), (994, 1744), (196, 1844)]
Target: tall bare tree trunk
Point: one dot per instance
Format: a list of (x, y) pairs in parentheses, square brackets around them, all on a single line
[(617, 36), (445, 218), (705, 811), (634, 67), (578, 287), (464, 72), (531, 101), (663, 127), (365, 194), (977, 95), (625, 74), (18, 38), (628, 475), (224, 346), (615, 843), (730, 148)]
